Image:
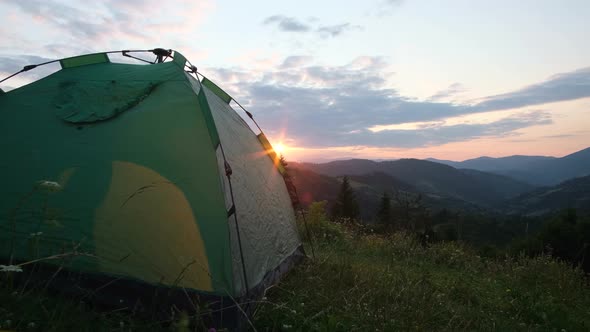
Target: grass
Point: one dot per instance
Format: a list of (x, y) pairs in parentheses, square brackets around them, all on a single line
[(392, 283), (360, 281)]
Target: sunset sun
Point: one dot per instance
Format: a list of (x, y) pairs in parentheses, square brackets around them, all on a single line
[(279, 148)]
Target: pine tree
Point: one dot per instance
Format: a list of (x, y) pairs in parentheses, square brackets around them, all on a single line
[(384, 213), (283, 162), (289, 183), (346, 205)]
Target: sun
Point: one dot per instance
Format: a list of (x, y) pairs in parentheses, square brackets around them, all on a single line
[(279, 148)]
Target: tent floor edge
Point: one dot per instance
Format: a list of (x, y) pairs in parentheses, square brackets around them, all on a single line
[(145, 301), (272, 277)]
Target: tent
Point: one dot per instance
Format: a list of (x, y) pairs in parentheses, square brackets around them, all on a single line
[(144, 175)]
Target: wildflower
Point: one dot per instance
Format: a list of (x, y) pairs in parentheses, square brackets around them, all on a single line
[(287, 326), (36, 234), (121, 324), (212, 329), (51, 186), (31, 325), (10, 268)]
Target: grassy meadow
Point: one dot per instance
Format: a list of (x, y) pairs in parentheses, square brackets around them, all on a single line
[(360, 281)]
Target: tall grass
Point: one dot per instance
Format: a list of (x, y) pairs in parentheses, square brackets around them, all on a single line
[(366, 282)]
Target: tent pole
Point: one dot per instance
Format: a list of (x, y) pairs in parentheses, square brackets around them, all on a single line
[(228, 173)]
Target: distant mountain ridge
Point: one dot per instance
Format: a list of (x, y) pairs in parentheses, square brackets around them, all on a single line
[(490, 164), (369, 188), (535, 170), (475, 187)]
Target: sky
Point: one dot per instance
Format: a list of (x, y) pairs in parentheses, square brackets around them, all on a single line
[(375, 79)]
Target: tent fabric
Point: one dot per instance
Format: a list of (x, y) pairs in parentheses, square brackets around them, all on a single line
[(72, 101), (265, 216), (122, 162), (216, 90), (84, 60)]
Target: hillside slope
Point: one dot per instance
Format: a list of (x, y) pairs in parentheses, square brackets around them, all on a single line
[(484, 189), (574, 193), (368, 188)]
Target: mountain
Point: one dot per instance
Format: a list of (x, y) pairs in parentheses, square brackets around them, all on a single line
[(311, 186), (434, 179), (368, 188), (536, 170), (489, 164), (344, 167), (574, 193)]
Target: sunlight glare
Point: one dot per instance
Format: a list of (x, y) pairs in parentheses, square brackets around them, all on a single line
[(279, 148)]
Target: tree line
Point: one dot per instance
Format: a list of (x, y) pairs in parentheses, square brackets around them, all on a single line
[(563, 234)]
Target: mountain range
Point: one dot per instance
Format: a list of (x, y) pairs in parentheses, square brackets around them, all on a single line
[(472, 186), (516, 184), (535, 170)]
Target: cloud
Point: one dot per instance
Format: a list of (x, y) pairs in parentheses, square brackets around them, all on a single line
[(109, 24), (289, 24), (453, 90), (387, 7), (75, 21), (328, 106), (560, 87), (10, 64), (336, 30), (438, 135), (292, 24), (560, 136), (296, 61)]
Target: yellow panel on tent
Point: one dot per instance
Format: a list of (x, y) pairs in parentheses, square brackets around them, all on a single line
[(133, 214)]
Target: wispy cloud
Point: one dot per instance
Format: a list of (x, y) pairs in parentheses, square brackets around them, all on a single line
[(452, 91), (387, 7), (292, 24), (285, 23), (560, 87), (295, 61), (336, 30), (94, 26)]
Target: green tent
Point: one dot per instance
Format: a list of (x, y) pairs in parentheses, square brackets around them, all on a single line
[(142, 173)]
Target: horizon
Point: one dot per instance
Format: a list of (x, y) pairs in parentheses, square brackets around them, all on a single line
[(321, 161), (382, 79)]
